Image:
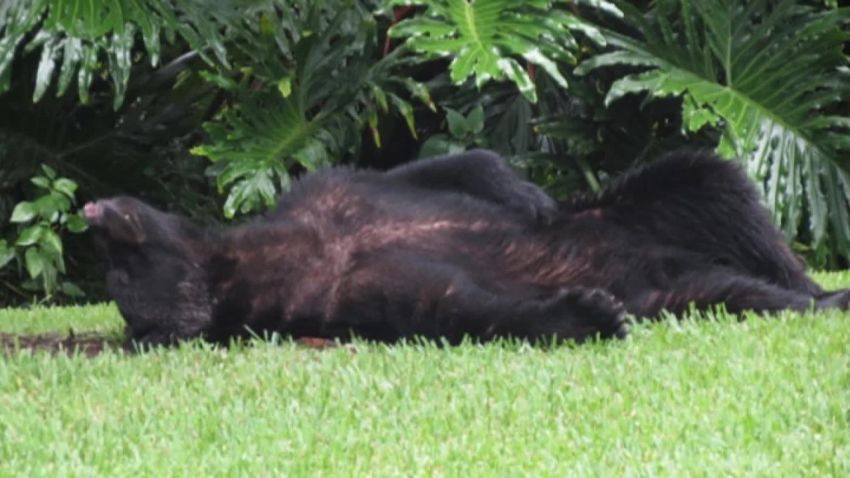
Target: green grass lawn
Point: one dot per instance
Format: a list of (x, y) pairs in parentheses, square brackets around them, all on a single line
[(764, 397)]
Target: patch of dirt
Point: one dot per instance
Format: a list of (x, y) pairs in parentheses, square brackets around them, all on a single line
[(88, 344), (93, 344), (318, 343)]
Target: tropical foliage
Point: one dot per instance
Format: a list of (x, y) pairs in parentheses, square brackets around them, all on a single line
[(302, 98), (486, 38), (770, 77), (38, 244), (114, 95)]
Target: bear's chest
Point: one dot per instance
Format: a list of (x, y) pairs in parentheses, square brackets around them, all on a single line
[(343, 251)]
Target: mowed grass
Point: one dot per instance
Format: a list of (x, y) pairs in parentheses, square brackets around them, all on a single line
[(763, 397)]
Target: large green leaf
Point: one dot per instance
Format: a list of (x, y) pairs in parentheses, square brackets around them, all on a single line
[(768, 73), (77, 37), (311, 91), (486, 38), (252, 144)]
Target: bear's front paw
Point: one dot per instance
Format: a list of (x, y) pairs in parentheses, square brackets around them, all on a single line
[(580, 313)]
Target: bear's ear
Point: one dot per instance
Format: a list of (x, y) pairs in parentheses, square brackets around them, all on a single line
[(118, 219)]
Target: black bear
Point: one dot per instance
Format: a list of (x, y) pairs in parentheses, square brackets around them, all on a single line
[(453, 247)]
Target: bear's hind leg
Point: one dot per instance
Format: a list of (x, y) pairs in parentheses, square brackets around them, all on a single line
[(698, 202), (413, 296), (735, 291), (482, 174), (835, 299)]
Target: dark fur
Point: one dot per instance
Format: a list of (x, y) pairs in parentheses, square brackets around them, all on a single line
[(452, 247)]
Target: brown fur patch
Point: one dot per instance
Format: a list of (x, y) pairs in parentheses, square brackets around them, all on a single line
[(595, 213)]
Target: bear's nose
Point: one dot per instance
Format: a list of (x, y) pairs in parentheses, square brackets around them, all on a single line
[(92, 212)]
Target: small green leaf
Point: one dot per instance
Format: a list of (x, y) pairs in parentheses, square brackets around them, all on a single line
[(50, 172), (285, 86), (41, 182), (457, 123), (30, 235), (224, 82), (30, 285), (48, 206), (6, 253), (436, 145), (475, 119), (65, 186), (72, 290), (51, 241), (76, 224), (35, 262), (25, 211)]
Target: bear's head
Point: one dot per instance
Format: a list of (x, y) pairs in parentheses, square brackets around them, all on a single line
[(155, 268)]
